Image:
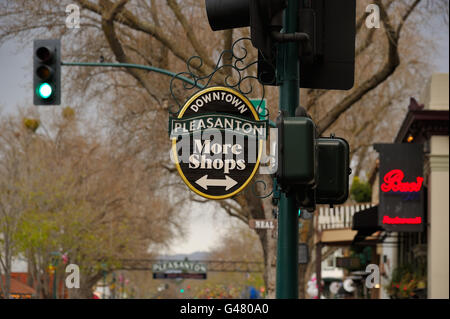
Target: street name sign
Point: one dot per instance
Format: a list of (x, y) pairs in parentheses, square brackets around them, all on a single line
[(262, 223), (217, 141), (262, 105), (303, 254)]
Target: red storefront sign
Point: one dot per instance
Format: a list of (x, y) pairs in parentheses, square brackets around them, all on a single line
[(402, 187), (400, 221), (393, 183)]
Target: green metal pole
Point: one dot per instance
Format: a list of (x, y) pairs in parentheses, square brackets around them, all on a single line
[(287, 248), (104, 285), (54, 284), (135, 66)]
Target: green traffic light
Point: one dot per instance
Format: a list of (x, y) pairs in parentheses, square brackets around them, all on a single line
[(181, 290), (45, 90)]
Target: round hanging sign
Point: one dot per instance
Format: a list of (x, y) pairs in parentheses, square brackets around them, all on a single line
[(217, 140)]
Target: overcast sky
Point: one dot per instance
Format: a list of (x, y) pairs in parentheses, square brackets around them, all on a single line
[(205, 229)]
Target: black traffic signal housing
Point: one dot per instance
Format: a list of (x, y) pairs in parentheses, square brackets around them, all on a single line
[(262, 16), (228, 14), (296, 152), (47, 72), (333, 171), (266, 16), (333, 63), (327, 59)]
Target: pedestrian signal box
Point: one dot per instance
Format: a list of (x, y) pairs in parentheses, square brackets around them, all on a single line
[(333, 171), (296, 151)]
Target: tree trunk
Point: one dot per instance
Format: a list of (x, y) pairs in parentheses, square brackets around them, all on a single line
[(5, 287), (270, 257), (262, 209), (302, 280)]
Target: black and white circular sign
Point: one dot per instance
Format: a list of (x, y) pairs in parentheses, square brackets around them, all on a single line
[(217, 141)]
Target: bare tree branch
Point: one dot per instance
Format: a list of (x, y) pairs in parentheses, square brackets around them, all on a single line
[(108, 17), (393, 60), (127, 18), (190, 33)]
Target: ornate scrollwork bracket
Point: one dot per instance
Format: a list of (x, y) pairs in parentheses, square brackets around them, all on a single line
[(232, 70)]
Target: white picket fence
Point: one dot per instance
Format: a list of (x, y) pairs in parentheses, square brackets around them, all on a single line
[(340, 216)]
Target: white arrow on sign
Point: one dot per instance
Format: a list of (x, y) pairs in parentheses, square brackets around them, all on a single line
[(204, 182)]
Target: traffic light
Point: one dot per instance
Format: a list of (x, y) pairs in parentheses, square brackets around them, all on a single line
[(333, 171), (332, 65), (265, 18), (327, 58), (296, 152), (262, 16), (47, 72), (228, 14)]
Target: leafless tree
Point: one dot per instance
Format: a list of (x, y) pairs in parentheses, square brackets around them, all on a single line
[(165, 34)]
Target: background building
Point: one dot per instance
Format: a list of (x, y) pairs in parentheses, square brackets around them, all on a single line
[(428, 124), (425, 124), (413, 264)]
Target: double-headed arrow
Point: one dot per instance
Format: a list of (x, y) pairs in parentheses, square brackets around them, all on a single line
[(204, 182)]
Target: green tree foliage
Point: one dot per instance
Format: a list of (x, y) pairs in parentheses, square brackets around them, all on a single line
[(75, 195), (360, 192)]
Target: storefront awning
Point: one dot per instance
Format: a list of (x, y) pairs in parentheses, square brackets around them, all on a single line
[(366, 223), (19, 290)]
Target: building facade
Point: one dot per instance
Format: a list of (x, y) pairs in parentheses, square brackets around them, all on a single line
[(428, 124), (412, 254)]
